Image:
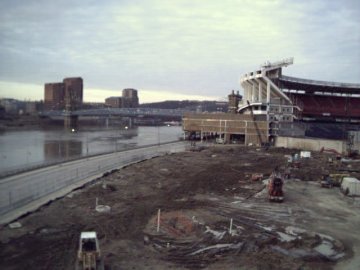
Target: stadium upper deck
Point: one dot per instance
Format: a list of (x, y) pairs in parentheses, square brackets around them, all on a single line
[(312, 86), (285, 98)]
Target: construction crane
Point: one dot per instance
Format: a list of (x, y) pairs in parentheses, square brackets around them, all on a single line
[(255, 124)]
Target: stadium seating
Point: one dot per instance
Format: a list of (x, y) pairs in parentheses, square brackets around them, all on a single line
[(330, 106)]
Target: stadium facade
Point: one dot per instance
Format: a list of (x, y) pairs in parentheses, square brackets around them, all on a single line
[(275, 105)]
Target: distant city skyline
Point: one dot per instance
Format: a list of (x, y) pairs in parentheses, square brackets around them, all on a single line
[(172, 50), (35, 92)]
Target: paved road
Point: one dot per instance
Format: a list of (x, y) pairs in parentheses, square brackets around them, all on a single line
[(25, 192)]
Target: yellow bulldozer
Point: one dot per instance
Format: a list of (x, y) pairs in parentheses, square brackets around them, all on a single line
[(332, 180), (89, 255)]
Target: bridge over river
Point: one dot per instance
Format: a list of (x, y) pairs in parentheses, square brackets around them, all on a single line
[(129, 112)]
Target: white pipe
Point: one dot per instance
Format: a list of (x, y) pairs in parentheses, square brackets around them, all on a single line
[(158, 221), (231, 224)]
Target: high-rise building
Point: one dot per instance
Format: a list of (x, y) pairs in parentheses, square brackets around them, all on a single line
[(130, 98), (54, 96), (73, 93), (113, 102), (66, 95), (129, 93)]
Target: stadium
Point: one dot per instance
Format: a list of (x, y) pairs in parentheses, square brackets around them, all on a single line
[(300, 107), (304, 99), (284, 111)]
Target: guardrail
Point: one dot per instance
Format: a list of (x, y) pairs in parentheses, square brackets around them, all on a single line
[(25, 192), (40, 164)]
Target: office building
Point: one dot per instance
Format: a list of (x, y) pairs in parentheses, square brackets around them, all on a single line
[(130, 98), (73, 93), (54, 96)]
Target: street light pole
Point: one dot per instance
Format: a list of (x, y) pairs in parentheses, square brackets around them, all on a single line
[(28, 153), (87, 144), (158, 128)]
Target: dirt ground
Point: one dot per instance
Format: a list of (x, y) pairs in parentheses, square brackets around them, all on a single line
[(198, 194)]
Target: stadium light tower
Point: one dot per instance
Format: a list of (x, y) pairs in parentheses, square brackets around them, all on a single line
[(278, 64)]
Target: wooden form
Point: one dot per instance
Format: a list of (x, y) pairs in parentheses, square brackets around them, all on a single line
[(226, 125)]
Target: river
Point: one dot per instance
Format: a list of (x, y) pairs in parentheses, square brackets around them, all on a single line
[(29, 148)]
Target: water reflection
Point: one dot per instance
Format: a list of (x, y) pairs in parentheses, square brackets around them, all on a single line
[(54, 150), (22, 149)]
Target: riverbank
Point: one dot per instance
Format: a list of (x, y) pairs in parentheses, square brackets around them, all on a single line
[(30, 148), (198, 194), (11, 123), (31, 122)]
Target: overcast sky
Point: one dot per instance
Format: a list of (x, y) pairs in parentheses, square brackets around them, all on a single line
[(178, 49)]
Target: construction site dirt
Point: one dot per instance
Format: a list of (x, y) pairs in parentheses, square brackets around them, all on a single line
[(213, 215)]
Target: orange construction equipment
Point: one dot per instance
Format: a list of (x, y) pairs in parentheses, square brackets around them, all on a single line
[(275, 187)]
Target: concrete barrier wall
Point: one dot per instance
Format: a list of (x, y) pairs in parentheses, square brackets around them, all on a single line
[(310, 144), (27, 191)]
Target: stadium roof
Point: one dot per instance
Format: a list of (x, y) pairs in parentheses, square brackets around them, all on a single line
[(311, 86)]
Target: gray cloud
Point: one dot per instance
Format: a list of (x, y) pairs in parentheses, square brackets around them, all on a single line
[(197, 47)]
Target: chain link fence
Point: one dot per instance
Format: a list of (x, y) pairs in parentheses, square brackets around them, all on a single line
[(18, 191)]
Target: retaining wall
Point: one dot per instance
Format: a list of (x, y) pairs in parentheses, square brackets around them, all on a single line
[(310, 144)]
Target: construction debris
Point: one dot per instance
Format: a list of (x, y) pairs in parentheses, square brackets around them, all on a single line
[(103, 208), (213, 216), (15, 225), (350, 186), (257, 177)]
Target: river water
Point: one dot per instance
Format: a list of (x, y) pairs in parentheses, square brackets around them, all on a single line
[(24, 149)]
